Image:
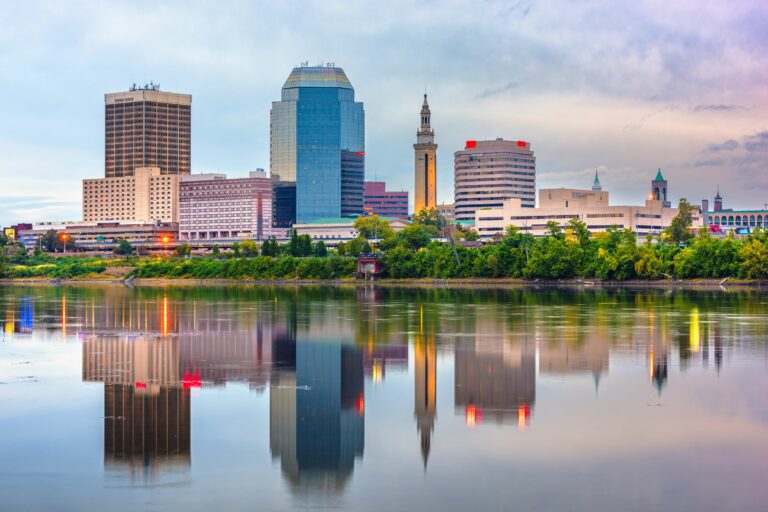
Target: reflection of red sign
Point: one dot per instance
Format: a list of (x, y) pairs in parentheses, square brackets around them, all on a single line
[(141, 385), (474, 415), (360, 405), (360, 153), (192, 380), (523, 416)]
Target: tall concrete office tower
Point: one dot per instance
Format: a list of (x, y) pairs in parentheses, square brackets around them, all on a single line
[(425, 168), (317, 147), (488, 172), (147, 127)]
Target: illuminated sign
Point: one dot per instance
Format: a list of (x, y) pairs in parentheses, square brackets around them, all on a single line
[(471, 144)]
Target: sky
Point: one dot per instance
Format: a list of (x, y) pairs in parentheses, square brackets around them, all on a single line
[(621, 87)]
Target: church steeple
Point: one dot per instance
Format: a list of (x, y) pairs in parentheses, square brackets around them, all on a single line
[(596, 184)]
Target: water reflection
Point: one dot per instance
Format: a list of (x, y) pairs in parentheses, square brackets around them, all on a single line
[(312, 351)]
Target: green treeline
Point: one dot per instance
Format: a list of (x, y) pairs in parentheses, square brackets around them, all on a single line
[(564, 253)]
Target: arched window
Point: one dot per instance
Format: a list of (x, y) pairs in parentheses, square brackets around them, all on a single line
[(759, 221), (665, 193), (656, 193), (738, 220), (730, 220), (717, 221)]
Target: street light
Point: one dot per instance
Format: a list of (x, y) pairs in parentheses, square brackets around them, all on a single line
[(64, 237)]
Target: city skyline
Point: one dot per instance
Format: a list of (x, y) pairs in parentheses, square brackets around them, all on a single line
[(626, 92)]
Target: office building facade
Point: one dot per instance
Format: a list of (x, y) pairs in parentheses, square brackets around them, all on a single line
[(213, 207), (146, 127), (386, 203), (317, 147), (145, 195), (560, 205), (487, 172), (425, 163)]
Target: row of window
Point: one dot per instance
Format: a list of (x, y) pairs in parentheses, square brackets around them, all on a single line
[(740, 220)]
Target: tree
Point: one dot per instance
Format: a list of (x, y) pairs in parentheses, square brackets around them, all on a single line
[(183, 250), (215, 252), (679, 230), (416, 236), (249, 248), (50, 241), (470, 235), (305, 245), (320, 250), (123, 247), (270, 248), (429, 217), (355, 246), (754, 255), (373, 227)]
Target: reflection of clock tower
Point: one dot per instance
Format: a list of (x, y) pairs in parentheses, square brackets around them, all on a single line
[(425, 380), (425, 151)]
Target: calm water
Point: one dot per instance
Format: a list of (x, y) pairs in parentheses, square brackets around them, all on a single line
[(267, 398)]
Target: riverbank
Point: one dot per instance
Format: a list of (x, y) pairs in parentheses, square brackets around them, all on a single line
[(490, 283)]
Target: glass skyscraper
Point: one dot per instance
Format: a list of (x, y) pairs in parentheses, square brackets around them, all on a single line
[(317, 147)]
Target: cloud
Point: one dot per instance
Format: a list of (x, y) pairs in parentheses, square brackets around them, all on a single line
[(728, 145), (498, 90), (757, 142), (37, 208), (718, 108), (709, 163)]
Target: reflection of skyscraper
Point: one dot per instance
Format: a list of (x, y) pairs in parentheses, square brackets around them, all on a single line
[(317, 415), (146, 408), (230, 348), (496, 377), (425, 389), (142, 429), (658, 353), (563, 357)]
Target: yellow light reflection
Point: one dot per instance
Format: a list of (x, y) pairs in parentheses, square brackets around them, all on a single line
[(377, 371), (165, 316), (695, 333)]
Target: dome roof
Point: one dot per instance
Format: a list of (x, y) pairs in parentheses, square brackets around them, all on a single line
[(317, 76)]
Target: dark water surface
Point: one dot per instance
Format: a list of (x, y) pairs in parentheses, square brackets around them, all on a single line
[(270, 398)]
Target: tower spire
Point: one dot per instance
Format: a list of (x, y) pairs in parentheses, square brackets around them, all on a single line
[(596, 184), (425, 170)]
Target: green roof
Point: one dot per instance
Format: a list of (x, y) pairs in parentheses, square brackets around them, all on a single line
[(330, 220), (346, 220), (659, 177)]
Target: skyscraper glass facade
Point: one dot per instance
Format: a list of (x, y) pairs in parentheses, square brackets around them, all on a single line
[(315, 122)]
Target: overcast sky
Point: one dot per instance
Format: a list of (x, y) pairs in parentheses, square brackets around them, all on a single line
[(680, 85)]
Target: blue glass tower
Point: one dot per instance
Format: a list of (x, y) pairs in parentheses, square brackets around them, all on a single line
[(317, 147)]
